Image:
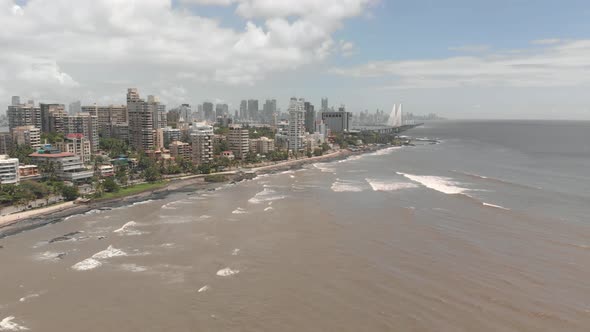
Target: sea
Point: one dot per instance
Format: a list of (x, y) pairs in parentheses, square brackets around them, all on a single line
[(486, 230)]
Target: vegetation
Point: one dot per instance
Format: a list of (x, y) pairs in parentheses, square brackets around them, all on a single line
[(132, 190), (216, 178), (52, 137), (21, 152), (114, 147), (110, 186), (70, 193), (278, 155), (261, 132)]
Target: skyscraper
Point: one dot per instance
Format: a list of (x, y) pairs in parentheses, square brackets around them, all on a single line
[(238, 140), (75, 107), (268, 111), (141, 125), (158, 112), (296, 124), (208, 113), (23, 115), (309, 117), (243, 110), (52, 117), (15, 101), (221, 110), (253, 110), (202, 143), (85, 124), (325, 104)]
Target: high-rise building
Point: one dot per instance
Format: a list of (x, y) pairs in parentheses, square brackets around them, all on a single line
[(171, 135), (85, 124), (15, 101), (208, 113), (309, 117), (75, 107), (253, 110), (221, 110), (23, 115), (27, 135), (159, 112), (8, 170), (107, 116), (141, 125), (243, 110), (181, 151), (325, 104), (202, 143), (238, 141), (337, 122), (262, 145), (268, 111), (296, 125), (52, 117), (5, 142)]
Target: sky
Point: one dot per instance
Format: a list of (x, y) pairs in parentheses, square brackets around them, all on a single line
[(509, 59)]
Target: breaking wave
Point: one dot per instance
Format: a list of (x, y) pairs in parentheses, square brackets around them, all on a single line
[(266, 195), (347, 186), (380, 185), (227, 272), (239, 211), (128, 229), (7, 324), (87, 264), (439, 183), (94, 261), (495, 206)]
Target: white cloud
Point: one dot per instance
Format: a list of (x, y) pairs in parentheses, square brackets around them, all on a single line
[(58, 46), (346, 48), (556, 65)]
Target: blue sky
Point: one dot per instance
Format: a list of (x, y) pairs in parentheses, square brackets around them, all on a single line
[(463, 59)]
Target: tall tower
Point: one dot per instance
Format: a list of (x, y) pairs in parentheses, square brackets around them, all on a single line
[(141, 124), (296, 124)]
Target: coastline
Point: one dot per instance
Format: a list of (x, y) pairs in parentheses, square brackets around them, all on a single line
[(31, 219)]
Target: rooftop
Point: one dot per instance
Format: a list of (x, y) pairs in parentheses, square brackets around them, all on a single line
[(52, 155)]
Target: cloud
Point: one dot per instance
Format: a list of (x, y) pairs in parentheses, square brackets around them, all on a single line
[(561, 65), (346, 48), (66, 47), (550, 41), (470, 48)]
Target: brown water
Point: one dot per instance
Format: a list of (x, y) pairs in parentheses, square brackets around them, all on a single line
[(350, 246)]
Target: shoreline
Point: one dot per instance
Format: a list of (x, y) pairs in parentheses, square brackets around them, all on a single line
[(26, 220)]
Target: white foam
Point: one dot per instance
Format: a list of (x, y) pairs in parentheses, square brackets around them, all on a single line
[(495, 206), (142, 202), (385, 151), (346, 186), (49, 256), (87, 264), (266, 195), (169, 206), (239, 211), (109, 252), (380, 185), (268, 209), (292, 176), (204, 289), (235, 252), (324, 167), (133, 268), (204, 217), (127, 229), (441, 184), (227, 272), (7, 324), (30, 296)]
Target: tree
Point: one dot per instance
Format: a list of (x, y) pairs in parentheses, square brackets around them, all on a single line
[(48, 170), (114, 147), (152, 174), (121, 175), (21, 152), (110, 185), (251, 157), (318, 152), (325, 147), (70, 193), (204, 169), (52, 137)]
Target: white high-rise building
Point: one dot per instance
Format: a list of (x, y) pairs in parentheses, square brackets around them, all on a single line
[(296, 133), (202, 143), (8, 170)]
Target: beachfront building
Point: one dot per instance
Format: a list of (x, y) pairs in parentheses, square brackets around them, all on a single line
[(262, 145), (27, 135), (337, 122), (238, 141), (26, 172), (296, 132), (85, 124), (202, 143), (141, 124), (8, 170), (65, 166), (78, 145), (181, 151)]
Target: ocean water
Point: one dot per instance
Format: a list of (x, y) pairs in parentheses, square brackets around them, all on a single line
[(486, 231)]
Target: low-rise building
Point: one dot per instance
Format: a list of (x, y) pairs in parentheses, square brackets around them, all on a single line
[(228, 154), (78, 145), (65, 165), (106, 170), (9, 170), (28, 172), (181, 151), (262, 145)]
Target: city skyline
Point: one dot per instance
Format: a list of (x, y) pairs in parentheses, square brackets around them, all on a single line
[(365, 54)]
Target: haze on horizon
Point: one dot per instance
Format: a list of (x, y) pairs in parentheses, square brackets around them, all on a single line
[(459, 59)]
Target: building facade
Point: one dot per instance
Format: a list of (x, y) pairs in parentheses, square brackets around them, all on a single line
[(52, 118), (23, 115), (296, 132), (9, 170), (141, 124), (27, 135), (65, 165), (181, 151), (202, 143), (78, 145), (85, 124), (238, 141), (337, 122), (262, 145)]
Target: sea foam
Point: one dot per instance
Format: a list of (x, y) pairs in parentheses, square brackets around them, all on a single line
[(380, 185), (346, 186), (439, 183), (266, 195), (127, 229), (7, 324), (87, 264), (227, 272), (495, 206)]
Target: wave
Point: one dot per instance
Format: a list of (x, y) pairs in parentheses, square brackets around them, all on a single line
[(325, 167), (268, 209), (30, 296), (227, 272), (127, 229), (7, 324), (109, 252), (380, 185), (133, 268), (87, 264), (239, 211), (235, 252), (50, 256), (439, 183), (169, 206), (142, 202), (266, 195), (347, 186), (385, 151), (490, 179), (495, 206), (204, 289)]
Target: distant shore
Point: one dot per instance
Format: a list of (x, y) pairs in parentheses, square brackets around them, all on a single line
[(31, 219)]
